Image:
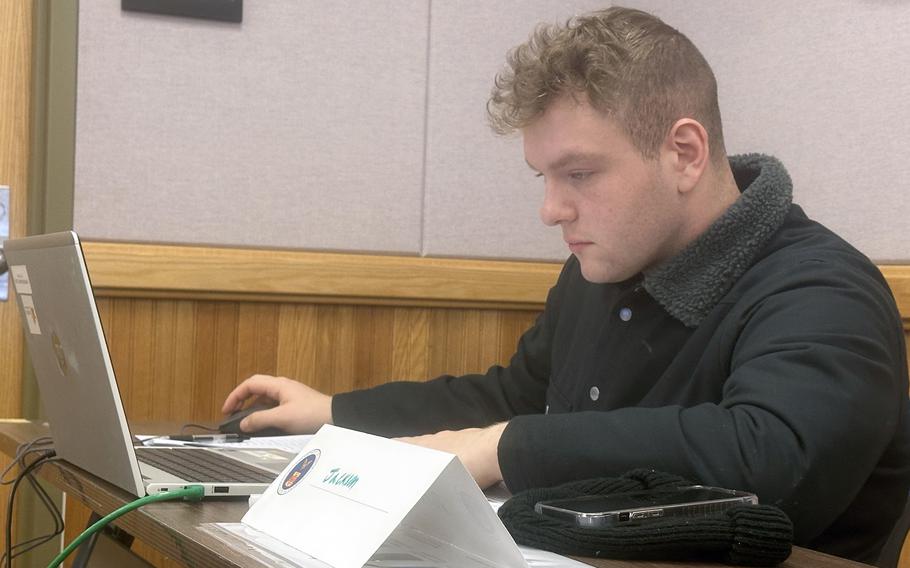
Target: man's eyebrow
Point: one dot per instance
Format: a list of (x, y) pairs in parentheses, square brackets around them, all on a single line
[(569, 158)]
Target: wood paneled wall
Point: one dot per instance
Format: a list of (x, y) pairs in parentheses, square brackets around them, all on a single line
[(15, 81), (186, 324), (178, 359), (15, 77)]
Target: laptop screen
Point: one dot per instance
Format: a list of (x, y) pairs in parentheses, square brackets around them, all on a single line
[(70, 357)]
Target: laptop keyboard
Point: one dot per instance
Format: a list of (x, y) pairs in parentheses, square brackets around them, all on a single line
[(203, 466)]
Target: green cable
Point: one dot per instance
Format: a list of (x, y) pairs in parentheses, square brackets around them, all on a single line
[(190, 493)]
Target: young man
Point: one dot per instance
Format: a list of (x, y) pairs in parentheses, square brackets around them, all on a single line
[(703, 325)]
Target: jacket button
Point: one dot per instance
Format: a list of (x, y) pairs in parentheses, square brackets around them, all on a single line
[(625, 314), (595, 393)]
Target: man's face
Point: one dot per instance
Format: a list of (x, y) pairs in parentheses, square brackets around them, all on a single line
[(620, 213)]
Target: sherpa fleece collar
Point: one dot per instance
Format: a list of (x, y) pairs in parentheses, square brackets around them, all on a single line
[(690, 284)]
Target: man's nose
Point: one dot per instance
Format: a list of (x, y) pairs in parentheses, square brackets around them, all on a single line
[(555, 208)]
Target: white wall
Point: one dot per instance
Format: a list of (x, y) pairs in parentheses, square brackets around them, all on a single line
[(360, 125)]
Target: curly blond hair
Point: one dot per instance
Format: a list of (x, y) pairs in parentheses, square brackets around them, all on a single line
[(629, 64)]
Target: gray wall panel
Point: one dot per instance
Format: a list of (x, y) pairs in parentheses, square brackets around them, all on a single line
[(481, 197), (821, 84), (325, 125), (301, 127)]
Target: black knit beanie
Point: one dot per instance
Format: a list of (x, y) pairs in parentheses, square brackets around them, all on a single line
[(747, 535)]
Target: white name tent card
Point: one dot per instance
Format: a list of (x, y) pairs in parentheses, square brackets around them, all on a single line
[(347, 493)]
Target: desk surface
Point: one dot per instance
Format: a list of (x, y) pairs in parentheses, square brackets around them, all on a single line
[(173, 528)]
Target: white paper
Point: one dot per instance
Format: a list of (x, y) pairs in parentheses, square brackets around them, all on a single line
[(347, 493), (31, 316), (292, 444), (20, 279)]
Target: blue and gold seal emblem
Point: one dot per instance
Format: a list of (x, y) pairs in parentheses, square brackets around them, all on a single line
[(298, 472)]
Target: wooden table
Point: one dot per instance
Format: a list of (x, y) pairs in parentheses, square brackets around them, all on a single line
[(174, 528)]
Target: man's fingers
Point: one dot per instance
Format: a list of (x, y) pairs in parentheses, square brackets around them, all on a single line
[(235, 399), (258, 420), (261, 385), (277, 417)]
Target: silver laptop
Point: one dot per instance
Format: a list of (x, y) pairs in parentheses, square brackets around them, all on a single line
[(79, 390)]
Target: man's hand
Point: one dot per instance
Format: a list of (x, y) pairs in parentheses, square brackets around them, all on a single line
[(300, 410), (476, 447)]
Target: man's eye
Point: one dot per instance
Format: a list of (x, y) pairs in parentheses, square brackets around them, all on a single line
[(579, 175)]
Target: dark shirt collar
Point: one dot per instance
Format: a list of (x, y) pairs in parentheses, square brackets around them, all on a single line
[(691, 283)]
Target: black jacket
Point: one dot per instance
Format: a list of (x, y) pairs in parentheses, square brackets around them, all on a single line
[(791, 384)]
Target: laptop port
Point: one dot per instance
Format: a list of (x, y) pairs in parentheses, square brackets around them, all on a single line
[(221, 489)]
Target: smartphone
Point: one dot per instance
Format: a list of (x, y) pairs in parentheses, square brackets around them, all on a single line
[(620, 508)]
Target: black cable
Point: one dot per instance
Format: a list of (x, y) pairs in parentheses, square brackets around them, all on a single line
[(52, 510), (7, 558), (200, 426), (45, 500), (21, 452), (51, 507), (27, 546)]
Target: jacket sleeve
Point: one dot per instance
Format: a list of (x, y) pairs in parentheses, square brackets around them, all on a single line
[(817, 382), (452, 403)]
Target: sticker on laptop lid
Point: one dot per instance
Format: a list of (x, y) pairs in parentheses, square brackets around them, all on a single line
[(31, 315), (20, 279)]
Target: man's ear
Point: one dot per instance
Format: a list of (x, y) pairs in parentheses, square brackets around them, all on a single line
[(689, 154)]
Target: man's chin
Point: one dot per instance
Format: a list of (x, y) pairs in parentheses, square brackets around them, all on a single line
[(602, 274)]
